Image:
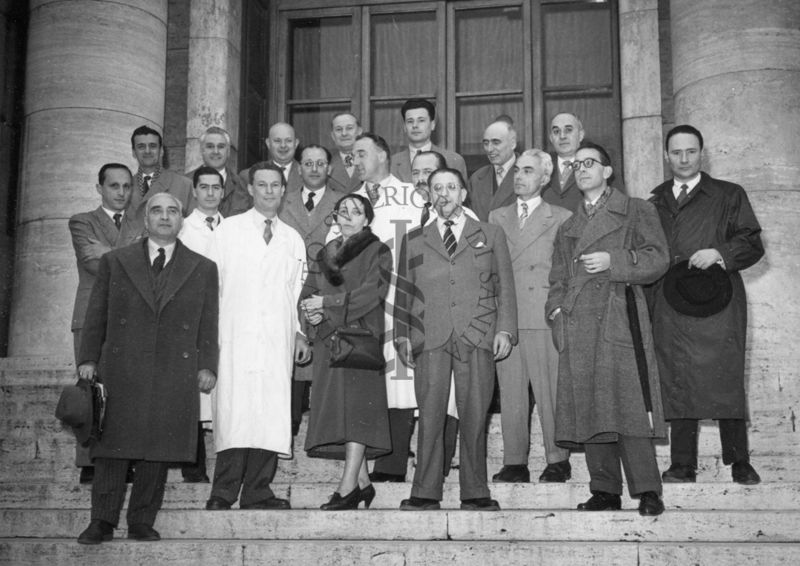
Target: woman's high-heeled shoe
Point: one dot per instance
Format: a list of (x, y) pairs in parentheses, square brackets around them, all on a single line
[(338, 503), (367, 495)]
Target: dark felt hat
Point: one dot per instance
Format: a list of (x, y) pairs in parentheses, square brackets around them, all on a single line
[(697, 292), (76, 409)]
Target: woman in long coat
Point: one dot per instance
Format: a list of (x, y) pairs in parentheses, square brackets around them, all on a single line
[(349, 416)]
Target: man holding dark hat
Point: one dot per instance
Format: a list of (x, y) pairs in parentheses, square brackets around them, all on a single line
[(700, 307)]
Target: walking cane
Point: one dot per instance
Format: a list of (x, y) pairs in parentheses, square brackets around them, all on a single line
[(638, 350)]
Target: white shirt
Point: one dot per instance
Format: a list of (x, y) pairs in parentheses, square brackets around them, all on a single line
[(318, 193), (457, 227), (506, 168), (691, 183), (562, 161), (111, 213), (153, 248), (413, 151), (224, 175), (531, 204), (258, 220)]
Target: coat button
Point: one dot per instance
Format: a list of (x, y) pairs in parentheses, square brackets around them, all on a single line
[(597, 285), (452, 262), (452, 282), (123, 321), (114, 350), (185, 355), (530, 288), (533, 267), (186, 327), (452, 304)]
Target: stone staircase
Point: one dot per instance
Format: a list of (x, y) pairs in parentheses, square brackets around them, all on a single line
[(713, 521)]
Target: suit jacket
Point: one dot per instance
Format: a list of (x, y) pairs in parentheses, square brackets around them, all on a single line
[(312, 226), (339, 178), (235, 199), (531, 252), (470, 295), (570, 197), (95, 225), (148, 351), (482, 194), (167, 182), (401, 163)]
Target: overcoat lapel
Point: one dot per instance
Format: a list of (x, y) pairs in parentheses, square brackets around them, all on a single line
[(183, 266), (605, 221), (472, 236), (134, 262)]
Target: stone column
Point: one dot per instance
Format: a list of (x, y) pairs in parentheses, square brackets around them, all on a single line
[(215, 37), (641, 96), (736, 72), (95, 70)]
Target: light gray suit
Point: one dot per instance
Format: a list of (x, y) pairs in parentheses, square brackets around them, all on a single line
[(450, 309), (535, 360), (401, 163)]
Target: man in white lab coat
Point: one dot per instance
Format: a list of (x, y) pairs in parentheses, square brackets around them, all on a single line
[(261, 263)]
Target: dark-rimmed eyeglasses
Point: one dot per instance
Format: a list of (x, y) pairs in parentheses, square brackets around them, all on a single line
[(588, 163), (310, 164)]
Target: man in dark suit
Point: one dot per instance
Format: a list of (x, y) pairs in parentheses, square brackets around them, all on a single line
[(344, 131), (309, 211), (530, 225), (151, 177), (566, 134), (710, 223), (419, 123), (282, 144), (93, 234), (215, 148), (455, 312), (151, 337), (492, 186)]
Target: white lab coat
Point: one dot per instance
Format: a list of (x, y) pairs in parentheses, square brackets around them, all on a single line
[(259, 289), (197, 236)]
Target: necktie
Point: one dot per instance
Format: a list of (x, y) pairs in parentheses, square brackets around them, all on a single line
[(210, 222), (499, 173), (426, 215), (158, 263), (449, 238), (566, 171), (267, 230), (683, 195), (348, 160), (310, 202), (146, 185), (524, 216), (373, 193), (118, 220)]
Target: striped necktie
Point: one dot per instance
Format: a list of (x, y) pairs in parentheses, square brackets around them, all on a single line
[(267, 230), (449, 238)]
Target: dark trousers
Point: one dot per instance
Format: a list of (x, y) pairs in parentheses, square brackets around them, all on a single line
[(300, 392), (108, 490), (401, 424), (683, 441), (472, 369), (248, 469), (638, 458), (198, 467)]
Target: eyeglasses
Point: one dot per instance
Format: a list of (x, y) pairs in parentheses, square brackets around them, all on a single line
[(588, 163), (310, 164), (449, 186)]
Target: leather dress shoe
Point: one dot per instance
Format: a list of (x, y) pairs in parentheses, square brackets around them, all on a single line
[(196, 478), (338, 502), (142, 532), (679, 473), (559, 472), (515, 473), (419, 504), (650, 504), (480, 504), (129, 474), (381, 477), (601, 501), (744, 473), (271, 503), (98, 531), (216, 503)]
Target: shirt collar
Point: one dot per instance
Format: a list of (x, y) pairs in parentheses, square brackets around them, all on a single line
[(691, 183), (258, 219), (152, 250), (317, 192), (531, 203), (111, 213), (507, 165), (457, 219)]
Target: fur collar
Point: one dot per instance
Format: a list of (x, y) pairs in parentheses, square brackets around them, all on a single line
[(336, 254)]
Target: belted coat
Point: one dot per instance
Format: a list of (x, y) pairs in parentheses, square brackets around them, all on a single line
[(599, 392)]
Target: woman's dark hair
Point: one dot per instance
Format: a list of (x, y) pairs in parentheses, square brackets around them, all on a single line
[(369, 212)]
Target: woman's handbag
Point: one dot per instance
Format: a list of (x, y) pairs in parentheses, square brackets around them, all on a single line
[(356, 347)]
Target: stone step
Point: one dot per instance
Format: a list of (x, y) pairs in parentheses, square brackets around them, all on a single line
[(729, 496), (505, 525), (121, 552)]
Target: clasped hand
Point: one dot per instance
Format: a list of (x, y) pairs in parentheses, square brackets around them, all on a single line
[(312, 309)]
